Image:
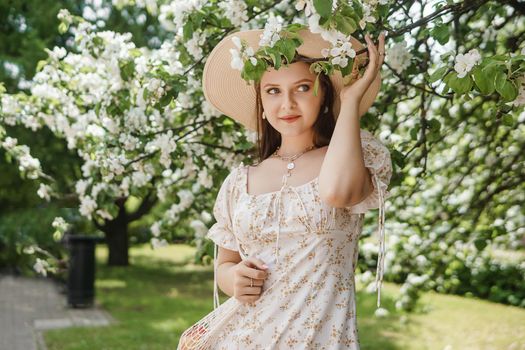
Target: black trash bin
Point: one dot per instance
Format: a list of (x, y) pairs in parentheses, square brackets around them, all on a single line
[(81, 270)]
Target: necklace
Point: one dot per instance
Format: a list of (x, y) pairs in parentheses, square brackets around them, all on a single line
[(290, 159)]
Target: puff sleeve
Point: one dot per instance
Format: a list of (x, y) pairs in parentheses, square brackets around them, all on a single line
[(221, 233), (377, 160)]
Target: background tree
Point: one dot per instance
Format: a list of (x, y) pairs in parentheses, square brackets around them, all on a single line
[(450, 110)]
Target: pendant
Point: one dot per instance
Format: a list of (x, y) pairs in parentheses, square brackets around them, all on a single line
[(290, 165)]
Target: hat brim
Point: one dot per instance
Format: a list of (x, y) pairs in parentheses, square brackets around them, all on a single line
[(224, 88)]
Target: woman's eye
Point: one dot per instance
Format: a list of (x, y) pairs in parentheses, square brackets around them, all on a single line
[(307, 87), (269, 91)]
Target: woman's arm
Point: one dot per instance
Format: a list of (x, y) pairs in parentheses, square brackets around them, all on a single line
[(343, 179)]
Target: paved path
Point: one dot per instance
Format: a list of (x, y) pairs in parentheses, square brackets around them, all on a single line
[(30, 305)]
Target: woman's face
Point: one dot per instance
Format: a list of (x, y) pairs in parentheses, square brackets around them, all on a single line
[(289, 91)]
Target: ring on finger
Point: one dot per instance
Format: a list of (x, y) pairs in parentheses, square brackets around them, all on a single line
[(251, 282)]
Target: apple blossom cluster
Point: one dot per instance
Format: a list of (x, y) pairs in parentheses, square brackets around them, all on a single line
[(107, 102), (235, 11), (152, 6), (341, 50), (338, 56), (369, 9), (271, 33), (465, 62), (398, 56), (27, 164), (174, 14), (241, 54)]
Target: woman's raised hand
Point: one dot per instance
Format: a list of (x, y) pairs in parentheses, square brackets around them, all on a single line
[(243, 274), (358, 88)]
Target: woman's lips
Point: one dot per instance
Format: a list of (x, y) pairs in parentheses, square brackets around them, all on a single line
[(290, 119)]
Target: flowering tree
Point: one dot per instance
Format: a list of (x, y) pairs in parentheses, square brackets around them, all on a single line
[(450, 110)]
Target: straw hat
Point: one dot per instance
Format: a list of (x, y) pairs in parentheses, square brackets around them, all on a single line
[(224, 88)]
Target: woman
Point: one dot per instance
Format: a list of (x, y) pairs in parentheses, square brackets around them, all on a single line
[(287, 229)]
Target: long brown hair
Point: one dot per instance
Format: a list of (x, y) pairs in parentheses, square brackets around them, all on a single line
[(268, 139)]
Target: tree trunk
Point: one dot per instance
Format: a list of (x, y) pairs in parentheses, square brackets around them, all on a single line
[(116, 232)]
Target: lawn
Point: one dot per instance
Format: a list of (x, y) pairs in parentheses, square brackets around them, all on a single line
[(162, 293)]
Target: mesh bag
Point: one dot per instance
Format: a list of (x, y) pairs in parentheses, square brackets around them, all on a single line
[(203, 334)]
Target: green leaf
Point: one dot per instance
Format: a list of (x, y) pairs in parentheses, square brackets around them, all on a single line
[(505, 88), (480, 244), (483, 80), (398, 158), (434, 125), (62, 28), (507, 120), (446, 55), (40, 65), (356, 8), (187, 30), (413, 132), (348, 69), (276, 58), (288, 50), (165, 100), (438, 74), (295, 27), (316, 85), (323, 7), (127, 69), (460, 85), (441, 33), (347, 25), (382, 10)]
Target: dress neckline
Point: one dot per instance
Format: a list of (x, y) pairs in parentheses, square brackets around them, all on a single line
[(245, 185)]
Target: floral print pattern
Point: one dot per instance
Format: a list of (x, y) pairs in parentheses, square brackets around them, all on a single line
[(311, 248)]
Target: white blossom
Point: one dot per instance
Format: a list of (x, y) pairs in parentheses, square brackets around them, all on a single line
[(238, 56), (398, 56), (155, 229), (271, 32), (206, 216), (60, 224), (235, 11), (87, 206), (44, 192), (465, 63), (305, 5), (199, 227), (367, 16), (41, 266), (9, 143), (341, 51), (194, 45)]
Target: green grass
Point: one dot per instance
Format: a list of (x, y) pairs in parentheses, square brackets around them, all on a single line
[(161, 294)]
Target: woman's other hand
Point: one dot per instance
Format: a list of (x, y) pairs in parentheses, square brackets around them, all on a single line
[(356, 90), (244, 272)]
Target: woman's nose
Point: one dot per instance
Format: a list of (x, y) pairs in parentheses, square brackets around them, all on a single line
[(289, 100)]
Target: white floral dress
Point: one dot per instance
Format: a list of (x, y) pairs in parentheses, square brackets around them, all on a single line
[(311, 248)]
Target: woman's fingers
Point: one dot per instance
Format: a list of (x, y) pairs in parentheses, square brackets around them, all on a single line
[(246, 281), (381, 49), (370, 71)]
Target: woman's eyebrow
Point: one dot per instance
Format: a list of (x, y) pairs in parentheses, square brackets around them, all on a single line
[(297, 82)]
